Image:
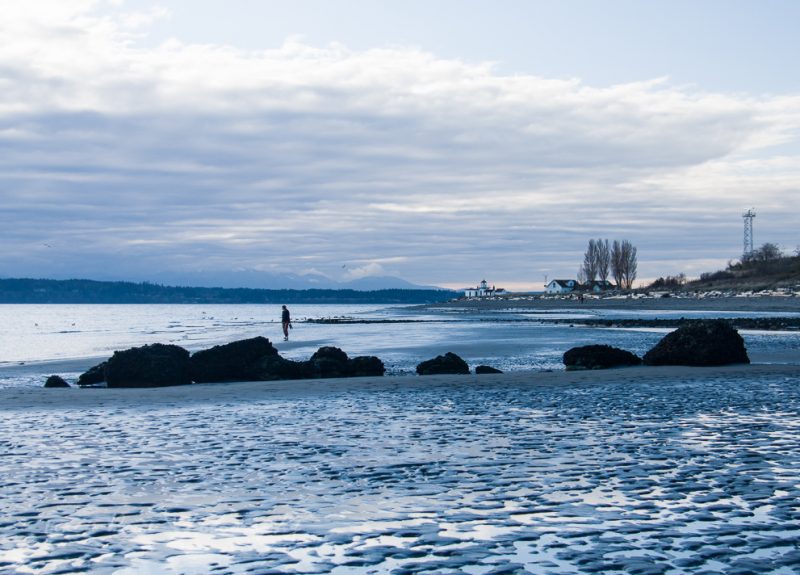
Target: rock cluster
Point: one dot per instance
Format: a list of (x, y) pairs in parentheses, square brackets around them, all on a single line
[(598, 357), (254, 359), (698, 343)]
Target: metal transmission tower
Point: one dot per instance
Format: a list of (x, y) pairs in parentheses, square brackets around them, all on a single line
[(748, 231)]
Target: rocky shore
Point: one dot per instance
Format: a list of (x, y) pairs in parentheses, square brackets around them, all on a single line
[(760, 323), (696, 343), (723, 303)]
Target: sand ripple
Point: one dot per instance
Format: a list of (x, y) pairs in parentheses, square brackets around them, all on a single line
[(649, 478)]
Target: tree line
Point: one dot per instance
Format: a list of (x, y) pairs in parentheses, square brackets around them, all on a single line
[(602, 260), (90, 291)]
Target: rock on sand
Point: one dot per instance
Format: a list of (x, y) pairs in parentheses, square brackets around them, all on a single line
[(699, 343), (599, 357)]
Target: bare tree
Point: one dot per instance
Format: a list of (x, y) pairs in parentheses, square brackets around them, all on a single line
[(616, 263), (590, 262), (624, 263), (603, 254), (630, 263), (581, 275)]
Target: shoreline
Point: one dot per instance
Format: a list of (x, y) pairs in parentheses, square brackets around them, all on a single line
[(483, 350), (25, 398), (766, 303)]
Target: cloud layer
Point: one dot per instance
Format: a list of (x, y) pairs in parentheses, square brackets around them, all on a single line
[(120, 160)]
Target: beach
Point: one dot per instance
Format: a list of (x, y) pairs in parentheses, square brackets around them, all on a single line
[(399, 288), (40, 340), (773, 303), (639, 470), (544, 471)]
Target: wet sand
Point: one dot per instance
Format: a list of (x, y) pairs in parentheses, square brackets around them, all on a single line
[(246, 392), (637, 470)]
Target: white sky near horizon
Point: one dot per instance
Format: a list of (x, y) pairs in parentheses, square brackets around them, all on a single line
[(442, 142)]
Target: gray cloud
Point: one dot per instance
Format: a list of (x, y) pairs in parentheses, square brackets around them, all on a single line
[(188, 157)]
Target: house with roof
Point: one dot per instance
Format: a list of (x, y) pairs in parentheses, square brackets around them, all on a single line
[(561, 286), (598, 286), (483, 290)]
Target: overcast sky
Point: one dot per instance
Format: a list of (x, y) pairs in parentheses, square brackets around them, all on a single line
[(439, 141)]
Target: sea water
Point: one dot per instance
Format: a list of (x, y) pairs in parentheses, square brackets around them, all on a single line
[(37, 340)]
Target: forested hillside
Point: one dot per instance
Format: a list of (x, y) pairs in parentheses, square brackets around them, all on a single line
[(89, 291)]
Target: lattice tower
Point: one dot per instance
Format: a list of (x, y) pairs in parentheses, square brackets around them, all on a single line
[(748, 231)]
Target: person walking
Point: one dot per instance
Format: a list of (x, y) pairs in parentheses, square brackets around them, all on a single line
[(286, 320)]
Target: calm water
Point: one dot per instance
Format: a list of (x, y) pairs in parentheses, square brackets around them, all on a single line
[(36, 340)]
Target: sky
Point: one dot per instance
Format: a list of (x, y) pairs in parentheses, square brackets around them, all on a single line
[(439, 141)]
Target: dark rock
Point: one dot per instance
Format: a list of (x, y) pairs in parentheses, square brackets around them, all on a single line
[(598, 357), (699, 343), (366, 366), (333, 362), (330, 353), (155, 365), (275, 368), (236, 361), (257, 360), (93, 375), (486, 369), (329, 361), (55, 381), (447, 363), (325, 368)]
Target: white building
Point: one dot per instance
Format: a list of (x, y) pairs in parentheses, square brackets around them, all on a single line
[(483, 290), (598, 286), (561, 286)]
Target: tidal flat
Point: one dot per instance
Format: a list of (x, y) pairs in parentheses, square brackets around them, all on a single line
[(638, 470)]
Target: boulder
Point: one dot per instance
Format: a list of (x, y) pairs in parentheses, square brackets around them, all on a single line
[(326, 368), (447, 363), (329, 361), (93, 376), (366, 366), (598, 357), (55, 381), (330, 353), (155, 365), (699, 343), (274, 367), (236, 361), (486, 369)]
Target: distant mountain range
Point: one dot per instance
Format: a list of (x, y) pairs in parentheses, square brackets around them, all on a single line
[(255, 279)]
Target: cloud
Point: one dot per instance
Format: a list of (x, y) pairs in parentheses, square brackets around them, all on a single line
[(368, 270), (187, 155)]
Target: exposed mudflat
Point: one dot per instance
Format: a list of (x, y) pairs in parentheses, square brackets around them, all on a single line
[(642, 470)]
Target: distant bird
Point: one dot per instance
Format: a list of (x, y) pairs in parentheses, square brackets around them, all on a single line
[(47, 245)]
